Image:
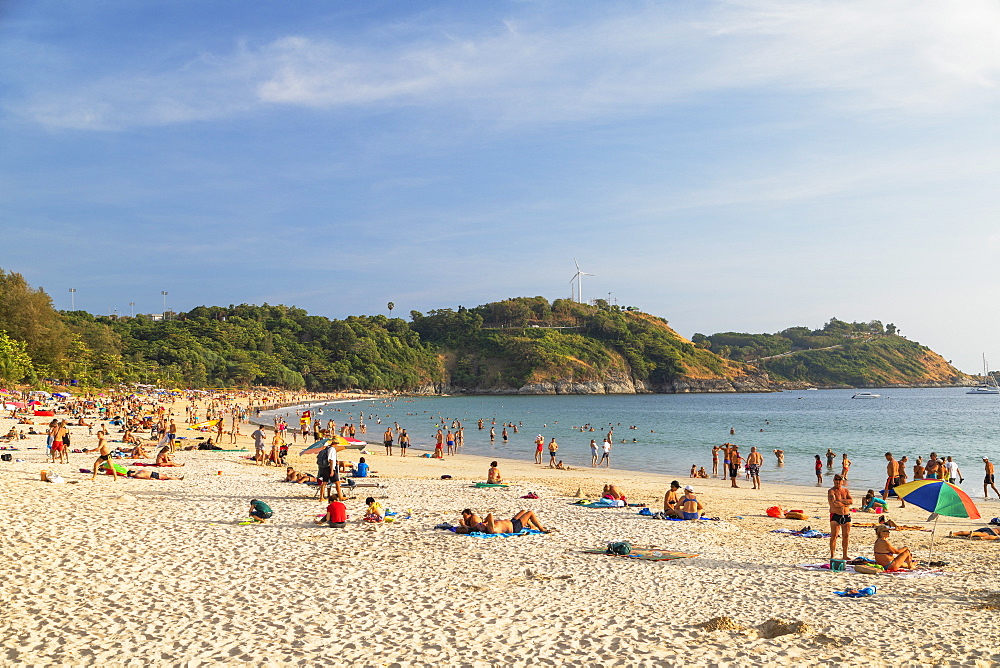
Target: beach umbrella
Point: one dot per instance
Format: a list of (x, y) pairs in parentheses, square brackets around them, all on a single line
[(315, 447), (939, 498), (9, 407), (339, 441)]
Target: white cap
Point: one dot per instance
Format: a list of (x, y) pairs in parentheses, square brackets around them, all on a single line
[(688, 488)]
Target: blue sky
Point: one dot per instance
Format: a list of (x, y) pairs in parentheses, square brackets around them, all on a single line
[(742, 166)]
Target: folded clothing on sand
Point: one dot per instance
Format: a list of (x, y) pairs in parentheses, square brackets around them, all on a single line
[(857, 593), (803, 533), (645, 554), (605, 503)]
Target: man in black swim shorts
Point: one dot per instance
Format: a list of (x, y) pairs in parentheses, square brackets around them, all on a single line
[(840, 502)]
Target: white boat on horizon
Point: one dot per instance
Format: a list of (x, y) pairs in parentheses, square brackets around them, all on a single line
[(989, 385), (865, 395)]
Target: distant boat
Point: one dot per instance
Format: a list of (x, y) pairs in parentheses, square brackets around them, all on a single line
[(812, 389), (866, 395), (989, 385)]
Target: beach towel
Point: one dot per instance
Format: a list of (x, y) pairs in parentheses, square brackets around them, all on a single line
[(604, 503), (901, 527), (803, 533), (490, 484), (645, 554), (917, 573), (522, 532), (857, 593)]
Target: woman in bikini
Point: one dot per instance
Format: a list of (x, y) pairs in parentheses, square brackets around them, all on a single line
[(163, 458), (888, 556)]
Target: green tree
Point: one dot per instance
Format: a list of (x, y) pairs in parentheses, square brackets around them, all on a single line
[(15, 363)]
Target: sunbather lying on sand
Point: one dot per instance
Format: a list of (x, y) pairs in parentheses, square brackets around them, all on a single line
[(294, 476), (986, 533), (142, 474), (526, 519)]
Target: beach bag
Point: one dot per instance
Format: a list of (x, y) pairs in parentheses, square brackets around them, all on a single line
[(6, 457), (775, 511), (619, 547), (323, 460)]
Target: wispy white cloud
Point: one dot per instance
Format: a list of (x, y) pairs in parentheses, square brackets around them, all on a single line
[(919, 57)]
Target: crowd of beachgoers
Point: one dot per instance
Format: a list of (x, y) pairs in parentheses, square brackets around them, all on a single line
[(179, 526)]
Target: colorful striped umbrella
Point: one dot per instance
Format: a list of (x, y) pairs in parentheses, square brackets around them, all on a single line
[(938, 496), (338, 441)]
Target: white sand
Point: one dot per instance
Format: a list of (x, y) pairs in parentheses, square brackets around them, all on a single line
[(150, 572)]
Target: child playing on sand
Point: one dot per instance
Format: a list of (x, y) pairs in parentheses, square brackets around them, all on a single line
[(336, 515), (375, 511)]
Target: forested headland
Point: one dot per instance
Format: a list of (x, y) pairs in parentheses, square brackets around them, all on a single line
[(526, 345)]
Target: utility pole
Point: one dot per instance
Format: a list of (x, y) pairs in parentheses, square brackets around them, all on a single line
[(72, 299), (132, 304), (164, 293)]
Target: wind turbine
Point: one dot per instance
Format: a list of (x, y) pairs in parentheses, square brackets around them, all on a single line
[(578, 277)]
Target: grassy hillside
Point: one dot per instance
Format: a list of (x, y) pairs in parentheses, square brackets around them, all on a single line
[(523, 341), (841, 353)]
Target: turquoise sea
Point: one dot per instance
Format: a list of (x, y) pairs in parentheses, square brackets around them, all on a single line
[(675, 431)]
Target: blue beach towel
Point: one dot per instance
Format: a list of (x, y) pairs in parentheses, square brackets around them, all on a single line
[(522, 532)]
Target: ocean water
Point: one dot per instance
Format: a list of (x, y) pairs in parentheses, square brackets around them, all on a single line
[(675, 431)]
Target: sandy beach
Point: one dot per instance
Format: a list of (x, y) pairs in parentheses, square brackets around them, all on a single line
[(146, 572)]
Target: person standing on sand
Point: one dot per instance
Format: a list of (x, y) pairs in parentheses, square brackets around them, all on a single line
[(553, 449), (539, 446), (891, 472), (103, 456), (449, 439), (404, 442), (387, 441), (715, 459), (988, 481), (840, 502), (735, 459), (819, 471), (845, 466), (754, 460), (171, 434), (593, 453), (258, 437)]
